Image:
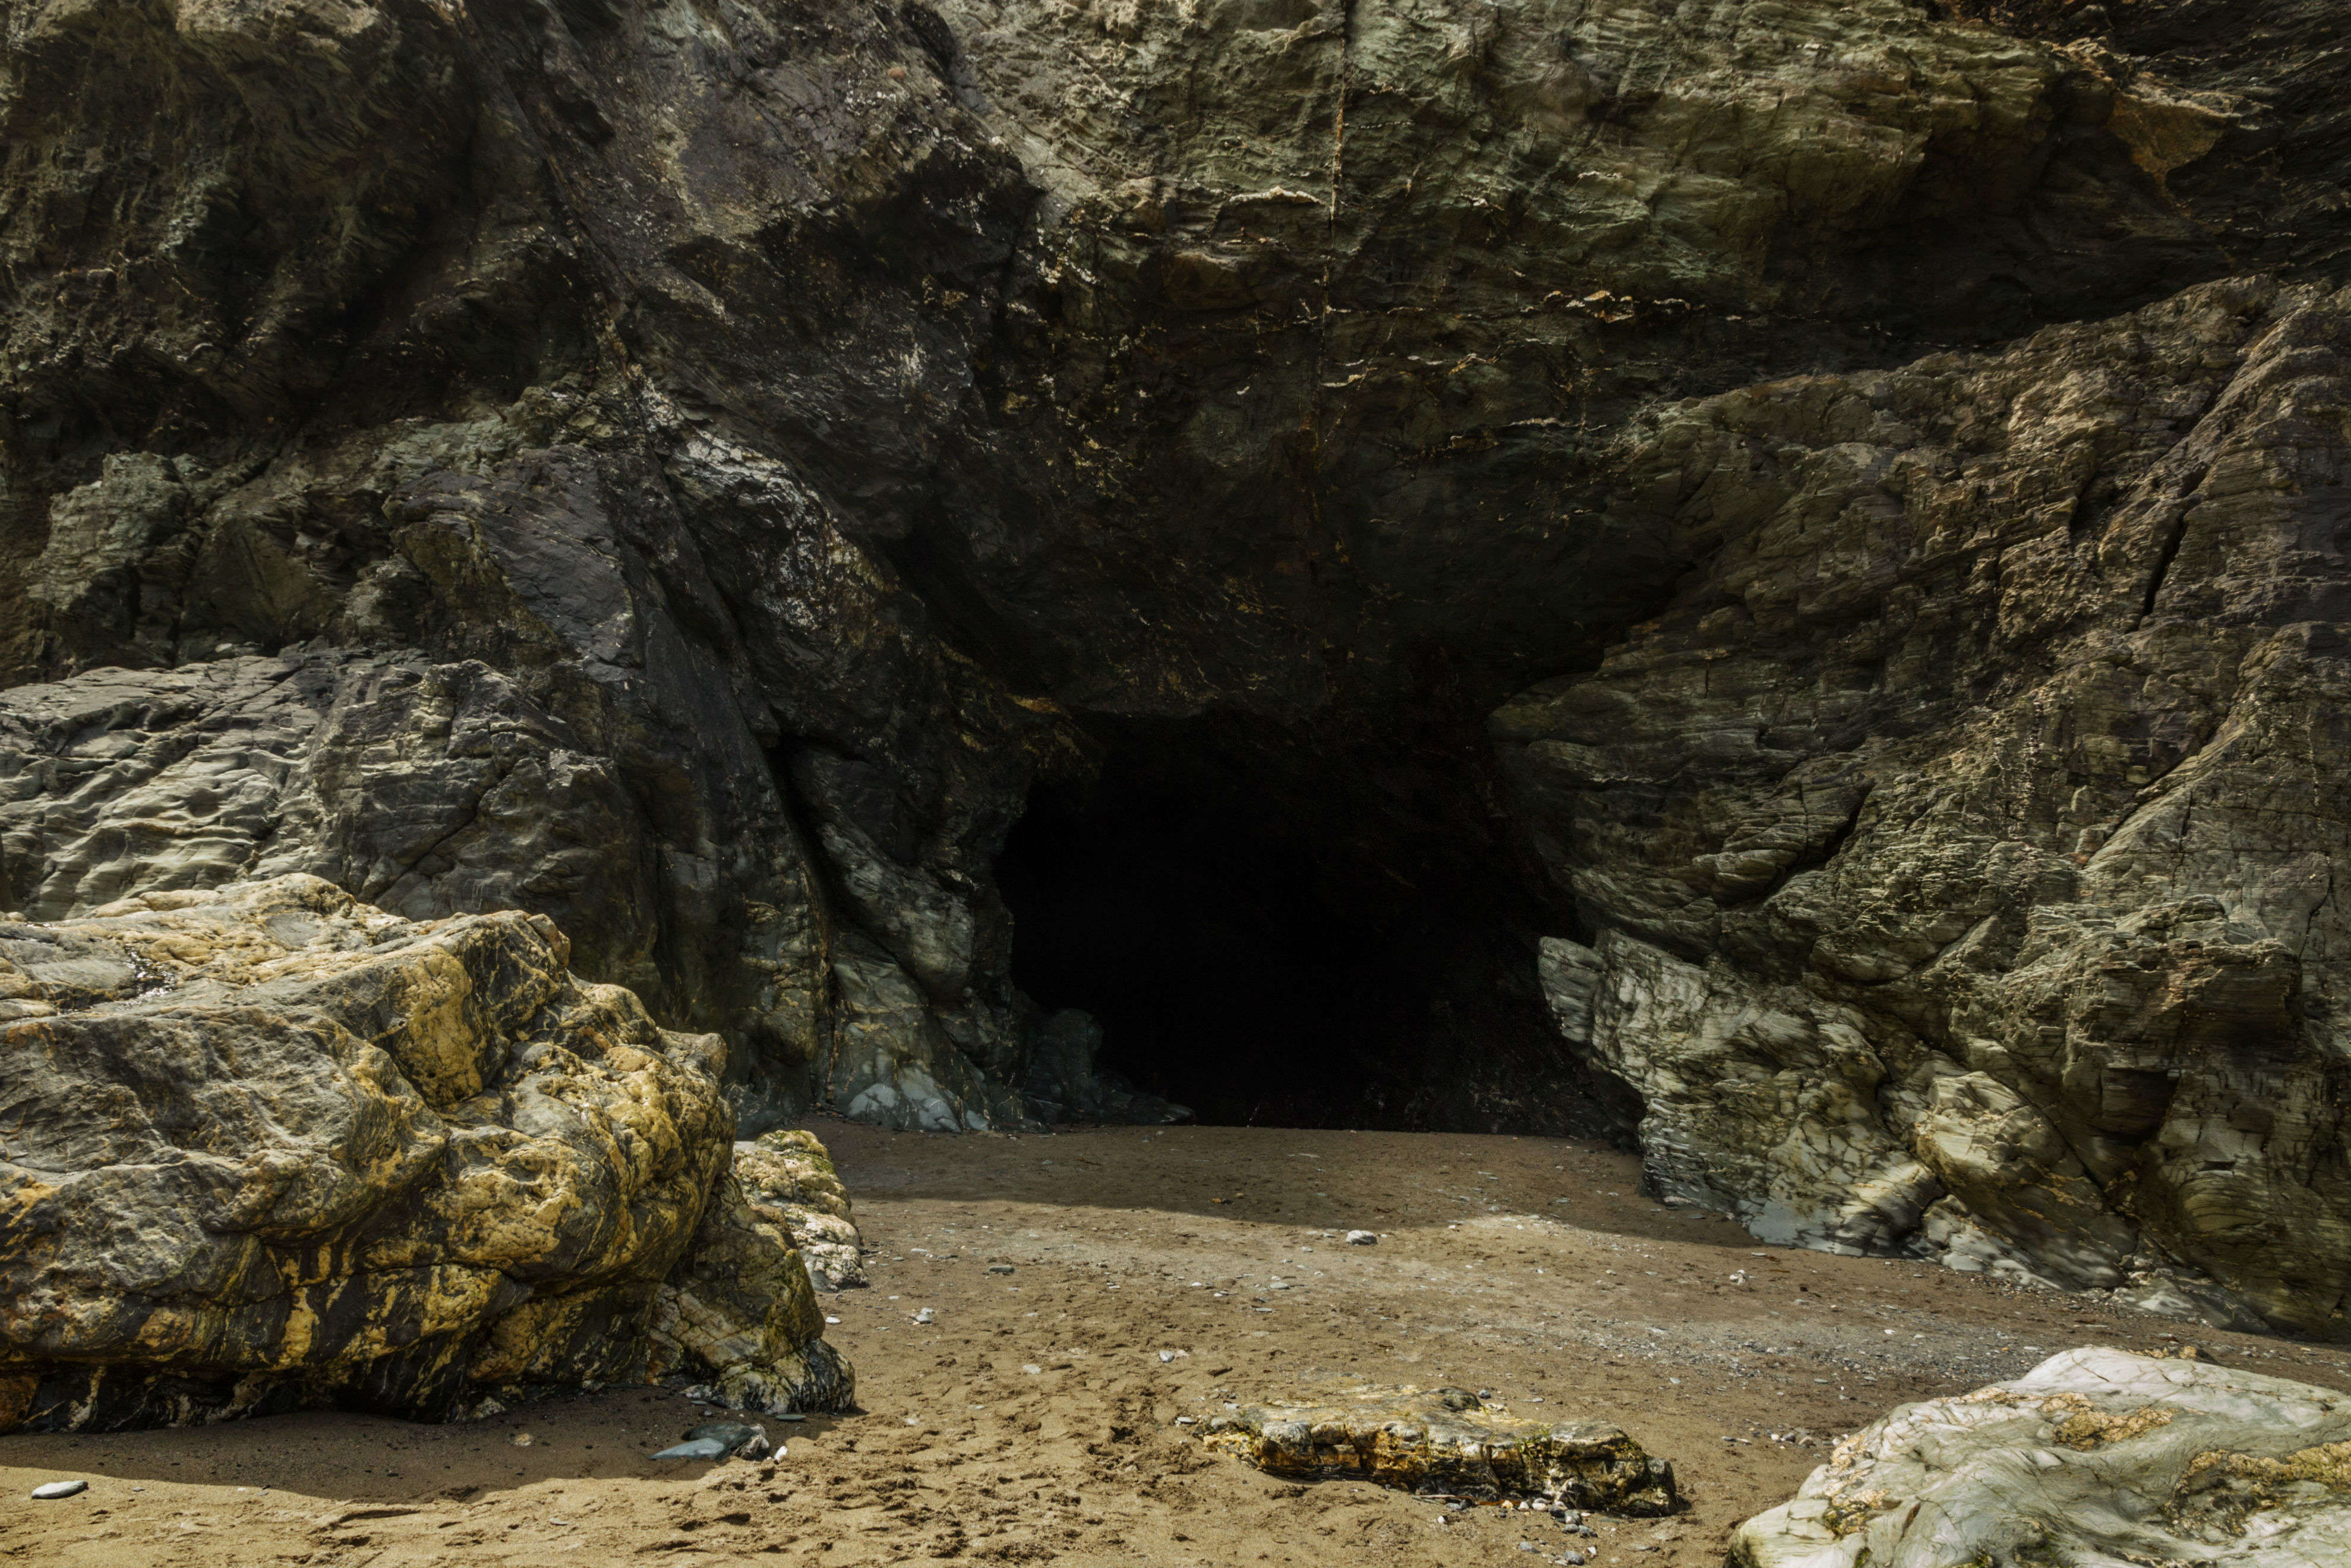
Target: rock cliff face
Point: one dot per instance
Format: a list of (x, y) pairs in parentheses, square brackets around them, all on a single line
[(705, 472), (1960, 841), (270, 1148)]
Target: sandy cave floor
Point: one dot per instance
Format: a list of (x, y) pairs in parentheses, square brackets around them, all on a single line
[(1035, 1420)]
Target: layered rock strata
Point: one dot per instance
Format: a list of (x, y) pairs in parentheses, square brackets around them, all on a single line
[(1958, 847), (695, 472), (266, 1146), (2096, 1456)]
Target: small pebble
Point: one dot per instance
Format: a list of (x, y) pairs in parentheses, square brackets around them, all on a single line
[(700, 1448), (923, 1316), (735, 1435), (1366, 1239), (999, 1268), (60, 1489), (523, 1440)]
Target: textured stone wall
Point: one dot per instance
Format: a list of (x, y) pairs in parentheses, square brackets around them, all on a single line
[(693, 471), (1958, 847)]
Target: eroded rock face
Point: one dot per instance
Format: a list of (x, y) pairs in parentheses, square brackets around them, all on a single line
[(269, 1146), (693, 471), (1448, 1441), (787, 1178), (740, 1313), (1957, 845), (2094, 1456)]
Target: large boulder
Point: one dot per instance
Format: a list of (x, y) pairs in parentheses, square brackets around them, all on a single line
[(2095, 1457), (269, 1147)]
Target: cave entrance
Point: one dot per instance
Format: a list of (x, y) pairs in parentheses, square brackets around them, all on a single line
[(1275, 934)]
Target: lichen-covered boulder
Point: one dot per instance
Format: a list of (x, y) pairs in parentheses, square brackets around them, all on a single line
[(266, 1146), (741, 1313), (1448, 1439), (788, 1180), (2095, 1457)]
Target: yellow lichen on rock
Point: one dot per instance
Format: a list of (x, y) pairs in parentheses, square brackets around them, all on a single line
[(273, 1148), (1448, 1439), (789, 1179), (2096, 1456), (2081, 1426)]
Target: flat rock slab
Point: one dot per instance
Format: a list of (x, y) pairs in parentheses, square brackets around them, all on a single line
[(1448, 1439), (2096, 1457)]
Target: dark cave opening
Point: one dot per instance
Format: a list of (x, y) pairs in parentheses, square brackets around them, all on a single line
[(1274, 935)]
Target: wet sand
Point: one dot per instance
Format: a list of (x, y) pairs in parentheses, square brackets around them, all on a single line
[(1035, 1419)]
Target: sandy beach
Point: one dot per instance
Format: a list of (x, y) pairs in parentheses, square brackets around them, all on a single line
[(1153, 1275)]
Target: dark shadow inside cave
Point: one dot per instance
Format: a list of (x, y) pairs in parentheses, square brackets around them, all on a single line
[(1278, 936)]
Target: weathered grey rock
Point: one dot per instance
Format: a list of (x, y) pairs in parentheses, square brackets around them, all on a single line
[(737, 1439), (787, 1177), (1450, 1440), (695, 1448), (1937, 839), (692, 471), (796, 538), (741, 1312), (2096, 1456), (270, 1146)]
